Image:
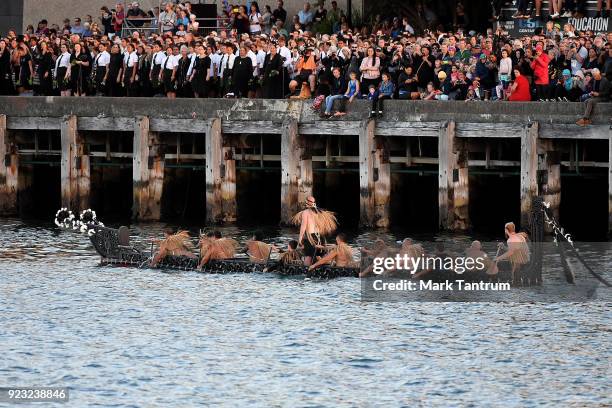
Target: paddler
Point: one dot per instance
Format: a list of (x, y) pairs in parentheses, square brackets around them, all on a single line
[(518, 250), (340, 256), (174, 244), (378, 250), (290, 257), (314, 225), (216, 247), (258, 250), (475, 252)]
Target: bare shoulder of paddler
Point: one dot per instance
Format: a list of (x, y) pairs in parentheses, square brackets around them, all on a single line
[(258, 250), (175, 244), (341, 255)]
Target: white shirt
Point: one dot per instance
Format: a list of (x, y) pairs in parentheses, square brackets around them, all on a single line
[(102, 59), (170, 62), (193, 58), (261, 58), (254, 23), (62, 61), (215, 59), (130, 59), (286, 54), (158, 58), (253, 58), (227, 61)]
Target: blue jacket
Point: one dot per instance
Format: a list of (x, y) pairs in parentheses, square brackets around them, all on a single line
[(387, 88)]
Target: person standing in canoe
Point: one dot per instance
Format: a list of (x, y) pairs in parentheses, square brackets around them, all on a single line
[(314, 224), (518, 248), (175, 244)]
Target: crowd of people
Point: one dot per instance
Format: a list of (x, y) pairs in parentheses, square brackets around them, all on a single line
[(317, 53)]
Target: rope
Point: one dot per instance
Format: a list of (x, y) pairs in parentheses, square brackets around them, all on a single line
[(559, 232)]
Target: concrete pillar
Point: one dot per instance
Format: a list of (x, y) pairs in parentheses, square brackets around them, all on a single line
[(214, 161), (529, 167), (75, 169), (9, 176), (228, 185), (453, 181), (374, 179), (147, 172), (290, 171)]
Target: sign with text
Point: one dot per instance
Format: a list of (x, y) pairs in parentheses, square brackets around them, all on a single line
[(522, 27)]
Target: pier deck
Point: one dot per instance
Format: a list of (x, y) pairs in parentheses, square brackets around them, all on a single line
[(468, 136)]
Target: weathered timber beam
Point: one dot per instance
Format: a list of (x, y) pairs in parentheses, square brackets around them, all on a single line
[(409, 129), (33, 123), (565, 131), (105, 124), (487, 130)]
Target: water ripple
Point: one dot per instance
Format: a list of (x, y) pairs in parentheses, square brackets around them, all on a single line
[(124, 337)]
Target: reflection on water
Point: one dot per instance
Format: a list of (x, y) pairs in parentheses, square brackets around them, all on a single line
[(151, 338)]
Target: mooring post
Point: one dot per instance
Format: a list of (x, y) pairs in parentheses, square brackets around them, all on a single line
[(549, 175), (453, 180), (290, 171), (9, 166), (529, 167), (367, 150), (75, 172), (214, 161), (228, 185)]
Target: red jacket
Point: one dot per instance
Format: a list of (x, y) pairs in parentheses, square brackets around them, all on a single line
[(540, 69), (521, 93)]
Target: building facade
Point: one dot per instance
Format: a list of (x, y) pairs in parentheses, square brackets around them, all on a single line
[(55, 11)]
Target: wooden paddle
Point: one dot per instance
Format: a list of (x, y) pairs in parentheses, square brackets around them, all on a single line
[(493, 269)]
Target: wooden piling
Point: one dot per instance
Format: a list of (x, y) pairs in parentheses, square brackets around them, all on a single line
[(453, 181), (529, 166), (290, 171), (147, 172), (156, 177), (374, 178), (228, 185), (214, 161), (305, 181), (382, 188), (549, 179), (9, 167), (75, 169)]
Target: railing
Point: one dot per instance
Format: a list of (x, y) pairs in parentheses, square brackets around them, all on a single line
[(151, 25)]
